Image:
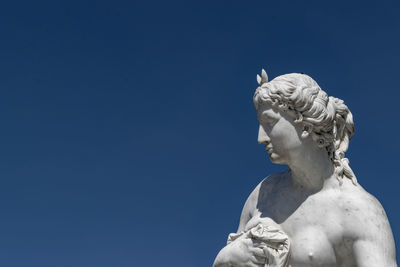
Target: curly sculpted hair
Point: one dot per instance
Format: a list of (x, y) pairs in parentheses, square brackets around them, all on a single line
[(328, 118)]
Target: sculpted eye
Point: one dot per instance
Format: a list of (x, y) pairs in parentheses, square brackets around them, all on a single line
[(268, 120)]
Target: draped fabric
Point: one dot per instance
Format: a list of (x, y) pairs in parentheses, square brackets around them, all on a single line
[(274, 242)]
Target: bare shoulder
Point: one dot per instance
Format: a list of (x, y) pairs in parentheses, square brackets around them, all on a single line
[(366, 223), (262, 189), (360, 206), (365, 219)]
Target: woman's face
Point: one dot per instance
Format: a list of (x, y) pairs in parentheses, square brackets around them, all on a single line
[(279, 134)]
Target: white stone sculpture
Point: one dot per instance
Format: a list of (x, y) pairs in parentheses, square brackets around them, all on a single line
[(316, 213)]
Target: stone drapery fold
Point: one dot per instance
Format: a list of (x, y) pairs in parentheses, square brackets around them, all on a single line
[(274, 242)]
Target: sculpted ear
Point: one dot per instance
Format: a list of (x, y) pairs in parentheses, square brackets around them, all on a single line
[(307, 129)]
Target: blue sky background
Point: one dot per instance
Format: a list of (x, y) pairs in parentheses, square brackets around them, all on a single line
[(128, 132)]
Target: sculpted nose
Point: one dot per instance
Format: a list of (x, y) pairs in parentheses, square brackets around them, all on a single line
[(262, 136)]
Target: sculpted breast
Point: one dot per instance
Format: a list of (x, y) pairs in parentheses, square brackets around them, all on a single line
[(311, 247)]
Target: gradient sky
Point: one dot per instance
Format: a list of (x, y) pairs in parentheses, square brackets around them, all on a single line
[(128, 131)]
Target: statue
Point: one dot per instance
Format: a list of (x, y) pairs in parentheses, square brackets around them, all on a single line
[(316, 213)]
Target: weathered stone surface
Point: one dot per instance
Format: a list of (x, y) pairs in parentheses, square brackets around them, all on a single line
[(316, 213)]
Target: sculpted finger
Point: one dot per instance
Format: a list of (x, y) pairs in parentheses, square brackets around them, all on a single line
[(270, 256), (258, 260), (248, 241), (259, 252)]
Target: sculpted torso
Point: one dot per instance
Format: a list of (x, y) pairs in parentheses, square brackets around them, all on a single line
[(323, 227), (316, 213)]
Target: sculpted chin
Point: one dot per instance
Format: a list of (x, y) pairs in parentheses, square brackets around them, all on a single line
[(316, 213)]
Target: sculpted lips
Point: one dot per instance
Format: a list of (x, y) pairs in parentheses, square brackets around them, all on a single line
[(268, 147)]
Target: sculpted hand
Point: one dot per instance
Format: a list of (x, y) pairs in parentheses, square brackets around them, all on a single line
[(243, 252)]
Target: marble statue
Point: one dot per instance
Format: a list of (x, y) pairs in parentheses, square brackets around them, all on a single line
[(316, 213)]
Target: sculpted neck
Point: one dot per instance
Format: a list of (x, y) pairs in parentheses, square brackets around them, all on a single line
[(311, 168)]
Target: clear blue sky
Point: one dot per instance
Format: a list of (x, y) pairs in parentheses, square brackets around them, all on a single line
[(128, 133)]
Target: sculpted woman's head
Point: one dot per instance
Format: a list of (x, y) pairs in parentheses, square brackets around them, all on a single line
[(327, 120)]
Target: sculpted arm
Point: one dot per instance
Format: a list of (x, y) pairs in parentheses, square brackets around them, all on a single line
[(248, 209), (371, 253), (374, 243), (241, 251)]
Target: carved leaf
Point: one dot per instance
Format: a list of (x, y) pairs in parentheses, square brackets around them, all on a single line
[(258, 79), (264, 76)]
